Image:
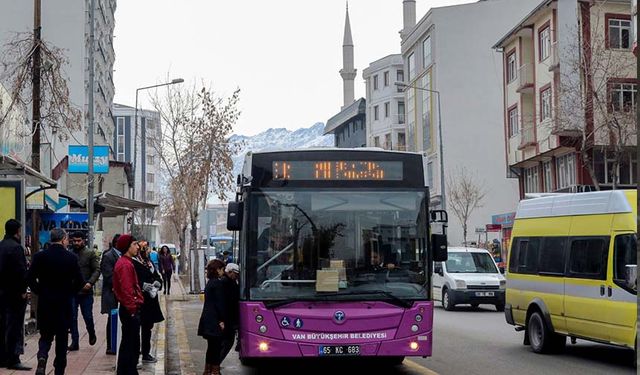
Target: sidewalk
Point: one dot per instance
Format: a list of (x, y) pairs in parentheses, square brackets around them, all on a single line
[(92, 359)]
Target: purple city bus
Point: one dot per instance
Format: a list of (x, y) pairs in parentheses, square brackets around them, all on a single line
[(336, 253)]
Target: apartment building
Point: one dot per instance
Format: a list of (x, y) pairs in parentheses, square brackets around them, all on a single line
[(453, 75), (634, 25), (385, 125), (569, 72), (65, 25)]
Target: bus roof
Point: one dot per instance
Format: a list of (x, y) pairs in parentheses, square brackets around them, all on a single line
[(592, 203), (315, 149)]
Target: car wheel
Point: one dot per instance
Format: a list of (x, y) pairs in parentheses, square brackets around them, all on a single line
[(541, 339), (447, 304)]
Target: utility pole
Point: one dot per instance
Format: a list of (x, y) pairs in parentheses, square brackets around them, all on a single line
[(92, 41), (35, 115)]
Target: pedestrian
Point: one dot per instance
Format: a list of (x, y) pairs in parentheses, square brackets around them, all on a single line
[(155, 258), (56, 278), (232, 303), (150, 282), (108, 299), (227, 257), (129, 295), (213, 317), (90, 268), (167, 267), (13, 297)]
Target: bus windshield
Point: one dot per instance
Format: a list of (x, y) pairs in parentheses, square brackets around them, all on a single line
[(355, 244)]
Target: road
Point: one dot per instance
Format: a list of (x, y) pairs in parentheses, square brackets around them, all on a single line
[(467, 341)]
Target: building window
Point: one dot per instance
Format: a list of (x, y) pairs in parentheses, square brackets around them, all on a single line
[(545, 104), (430, 174), (625, 174), (387, 141), (150, 178), (375, 82), (426, 111), (120, 146), (512, 68), (623, 96), (513, 122), (400, 78), (149, 124), (426, 52), (401, 141), (619, 34), (411, 66), (376, 141), (531, 180), (386, 79), (386, 109), (375, 112), (400, 112), (544, 43), (150, 142), (149, 196), (546, 174), (566, 171), (150, 160)]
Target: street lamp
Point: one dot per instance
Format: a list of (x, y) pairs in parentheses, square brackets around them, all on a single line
[(404, 86), (135, 141)]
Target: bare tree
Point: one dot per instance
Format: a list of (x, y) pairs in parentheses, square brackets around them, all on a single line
[(465, 194), (57, 114), (194, 148), (175, 216), (592, 112)]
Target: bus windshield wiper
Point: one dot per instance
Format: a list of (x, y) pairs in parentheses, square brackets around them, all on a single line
[(398, 300)]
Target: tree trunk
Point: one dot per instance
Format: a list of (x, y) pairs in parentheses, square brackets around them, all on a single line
[(184, 265), (196, 258), (586, 162), (464, 233)]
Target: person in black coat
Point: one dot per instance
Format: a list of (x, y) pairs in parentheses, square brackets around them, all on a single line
[(13, 297), (150, 314), (108, 299), (55, 277), (232, 304), (213, 317)]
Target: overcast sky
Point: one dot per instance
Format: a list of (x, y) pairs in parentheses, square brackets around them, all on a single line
[(284, 55)]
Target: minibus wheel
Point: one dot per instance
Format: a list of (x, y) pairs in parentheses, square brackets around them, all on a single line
[(539, 334)]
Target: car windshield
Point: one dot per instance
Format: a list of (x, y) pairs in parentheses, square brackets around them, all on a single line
[(470, 263), (309, 243)]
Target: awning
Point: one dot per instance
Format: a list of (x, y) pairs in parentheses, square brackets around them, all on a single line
[(115, 205), (10, 166)]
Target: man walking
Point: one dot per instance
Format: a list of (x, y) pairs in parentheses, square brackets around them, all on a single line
[(128, 293), (13, 297), (108, 299), (55, 277), (90, 270)]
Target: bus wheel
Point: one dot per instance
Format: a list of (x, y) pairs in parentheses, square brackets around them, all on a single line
[(541, 339), (395, 361), (248, 362), (446, 300)]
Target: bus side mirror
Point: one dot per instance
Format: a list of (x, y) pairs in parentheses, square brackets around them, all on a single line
[(439, 247), (234, 216)]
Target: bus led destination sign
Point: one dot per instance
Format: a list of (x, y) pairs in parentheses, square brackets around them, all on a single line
[(346, 170)]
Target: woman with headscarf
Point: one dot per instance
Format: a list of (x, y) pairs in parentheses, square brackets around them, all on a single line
[(212, 320), (149, 280)]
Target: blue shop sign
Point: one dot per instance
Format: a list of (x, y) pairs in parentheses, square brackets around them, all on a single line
[(79, 159)]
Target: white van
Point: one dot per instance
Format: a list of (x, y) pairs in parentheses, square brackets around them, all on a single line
[(469, 276)]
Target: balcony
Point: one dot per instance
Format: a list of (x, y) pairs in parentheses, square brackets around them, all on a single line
[(398, 119), (527, 138), (525, 78), (555, 57)]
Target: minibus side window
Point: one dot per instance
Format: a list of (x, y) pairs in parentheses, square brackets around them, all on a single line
[(588, 258), (552, 256), (515, 251), (527, 256), (624, 254)]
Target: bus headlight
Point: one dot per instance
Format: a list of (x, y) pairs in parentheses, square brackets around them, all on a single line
[(263, 329), (263, 347), (414, 328), (460, 284), (259, 318), (413, 345), (418, 318)]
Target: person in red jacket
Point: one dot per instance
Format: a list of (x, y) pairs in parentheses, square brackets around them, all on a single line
[(128, 293)]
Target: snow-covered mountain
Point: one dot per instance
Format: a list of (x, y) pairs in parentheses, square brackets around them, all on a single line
[(279, 139)]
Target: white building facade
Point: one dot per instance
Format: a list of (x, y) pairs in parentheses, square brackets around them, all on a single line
[(448, 52), (65, 25), (385, 103)]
